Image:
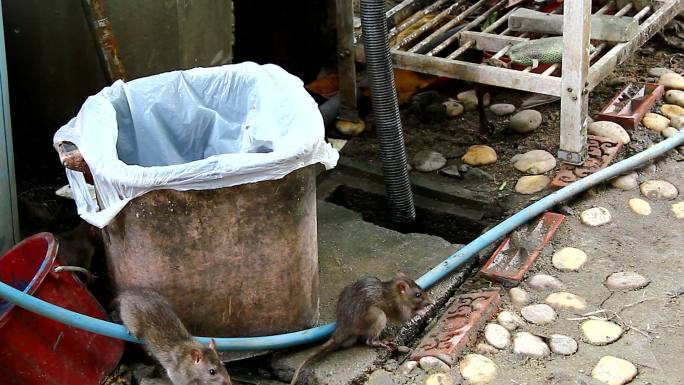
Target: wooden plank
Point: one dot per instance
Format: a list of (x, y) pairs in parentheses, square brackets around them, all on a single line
[(346, 64), (621, 52), (574, 94), (479, 73), (489, 42), (402, 10), (605, 28)]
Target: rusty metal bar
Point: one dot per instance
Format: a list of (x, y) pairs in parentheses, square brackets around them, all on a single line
[(468, 27), (447, 26), (346, 63), (478, 73), (426, 27), (107, 47), (415, 17), (491, 28), (621, 52)]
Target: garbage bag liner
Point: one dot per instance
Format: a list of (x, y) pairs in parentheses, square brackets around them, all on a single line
[(203, 128)]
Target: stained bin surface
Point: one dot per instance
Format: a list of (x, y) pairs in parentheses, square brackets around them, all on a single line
[(205, 191)]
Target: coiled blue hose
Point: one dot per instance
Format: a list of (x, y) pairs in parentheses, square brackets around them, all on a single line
[(281, 341)]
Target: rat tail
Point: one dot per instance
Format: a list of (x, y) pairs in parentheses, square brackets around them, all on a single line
[(327, 347)]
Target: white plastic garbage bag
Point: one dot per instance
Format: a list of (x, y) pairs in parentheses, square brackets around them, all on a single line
[(204, 128)]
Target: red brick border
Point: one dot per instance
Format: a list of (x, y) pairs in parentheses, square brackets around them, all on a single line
[(511, 267), (459, 325)]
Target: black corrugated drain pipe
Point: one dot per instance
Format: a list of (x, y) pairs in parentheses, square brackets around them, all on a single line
[(386, 109)]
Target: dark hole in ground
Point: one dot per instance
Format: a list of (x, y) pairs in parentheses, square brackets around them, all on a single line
[(374, 208)]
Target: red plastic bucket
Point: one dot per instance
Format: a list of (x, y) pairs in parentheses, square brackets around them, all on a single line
[(36, 350)]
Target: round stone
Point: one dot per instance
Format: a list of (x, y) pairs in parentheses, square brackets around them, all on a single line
[(469, 99), (657, 72), (626, 280), (479, 155), (626, 182), (428, 160), (350, 128), (678, 210), (563, 345), (497, 336), (671, 110), (655, 122), (539, 314), (595, 216), (485, 348), (510, 320), (477, 369), (677, 122), (519, 297), (407, 367), (598, 332), (445, 358), (525, 121), (433, 365), (614, 371), (675, 97), (531, 184), (669, 132), (453, 108), (452, 171), (534, 162), (502, 109), (439, 379), (569, 259), (566, 301), (672, 80), (528, 344), (659, 190), (543, 282), (640, 206), (609, 130)]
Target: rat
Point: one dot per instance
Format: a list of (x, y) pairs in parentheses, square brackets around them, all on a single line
[(149, 317), (363, 309)]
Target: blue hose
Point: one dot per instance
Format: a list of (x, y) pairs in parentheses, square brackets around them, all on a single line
[(287, 340)]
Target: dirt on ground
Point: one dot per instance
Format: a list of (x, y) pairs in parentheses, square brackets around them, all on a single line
[(453, 136)]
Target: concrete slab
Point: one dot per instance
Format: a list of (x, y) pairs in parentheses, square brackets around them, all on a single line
[(350, 248)]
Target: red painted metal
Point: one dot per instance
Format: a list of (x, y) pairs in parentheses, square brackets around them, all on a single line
[(600, 153), (506, 265), (35, 350), (630, 105), (459, 325)]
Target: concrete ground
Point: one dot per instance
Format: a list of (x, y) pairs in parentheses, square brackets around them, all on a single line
[(350, 248), (651, 318)]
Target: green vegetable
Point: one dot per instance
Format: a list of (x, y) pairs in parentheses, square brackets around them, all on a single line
[(547, 50)]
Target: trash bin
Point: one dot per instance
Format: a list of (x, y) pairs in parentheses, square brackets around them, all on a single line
[(205, 191)]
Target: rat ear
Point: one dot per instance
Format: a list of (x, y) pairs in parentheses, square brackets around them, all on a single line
[(212, 345), (402, 287), (196, 355)]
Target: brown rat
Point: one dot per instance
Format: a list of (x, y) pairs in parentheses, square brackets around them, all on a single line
[(365, 307), (150, 317)]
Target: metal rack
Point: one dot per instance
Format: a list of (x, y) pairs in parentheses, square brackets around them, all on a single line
[(426, 50)]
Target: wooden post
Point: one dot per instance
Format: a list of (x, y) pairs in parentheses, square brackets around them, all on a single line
[(574, 91), (346, 65)]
